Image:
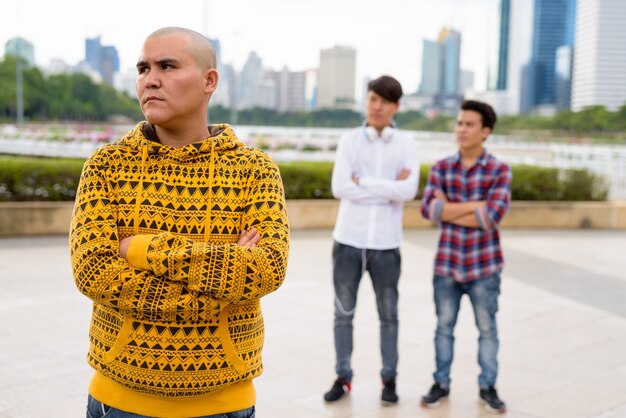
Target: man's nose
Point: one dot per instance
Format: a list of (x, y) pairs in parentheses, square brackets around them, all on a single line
[(152, 79)]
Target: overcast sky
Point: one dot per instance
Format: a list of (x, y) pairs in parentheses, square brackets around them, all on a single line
[(386, 34)]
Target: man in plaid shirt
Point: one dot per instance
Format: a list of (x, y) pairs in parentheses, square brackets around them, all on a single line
[(467, 195)]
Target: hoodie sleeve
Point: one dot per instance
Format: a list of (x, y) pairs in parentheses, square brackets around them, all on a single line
[(106, 278), (229, 271)]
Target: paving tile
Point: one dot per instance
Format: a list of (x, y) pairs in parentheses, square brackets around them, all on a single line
[(557, 351)]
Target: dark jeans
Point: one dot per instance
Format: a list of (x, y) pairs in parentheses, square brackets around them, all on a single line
[(349, 264), (96, 409), (483, 294)]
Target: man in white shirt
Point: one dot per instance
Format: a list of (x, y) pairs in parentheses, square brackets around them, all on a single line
[(376, 170)]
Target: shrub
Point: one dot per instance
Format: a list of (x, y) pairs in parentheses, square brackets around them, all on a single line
[(307, 180), (54, 179), (38, 179), (535, 183), (581, 185), (550, 184)]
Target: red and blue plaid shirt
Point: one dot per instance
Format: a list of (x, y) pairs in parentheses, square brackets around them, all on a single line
[(466, 254)]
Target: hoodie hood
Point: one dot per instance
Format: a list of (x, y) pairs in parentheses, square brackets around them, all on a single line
[(143, 139), (221, 137)]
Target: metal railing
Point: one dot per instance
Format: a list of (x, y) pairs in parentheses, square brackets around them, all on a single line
[(318, 144)]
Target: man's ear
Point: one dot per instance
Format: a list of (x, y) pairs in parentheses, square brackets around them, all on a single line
[(486, 131), (211, 78)]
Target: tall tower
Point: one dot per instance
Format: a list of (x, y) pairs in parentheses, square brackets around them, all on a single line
[(251, 74), (499, 52), (450, 41), (553, 27), (600, 55), (102, 58), (337, 78), (441, 70), (432, 59)]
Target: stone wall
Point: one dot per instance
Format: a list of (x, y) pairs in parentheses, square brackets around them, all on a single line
[(53, 218)]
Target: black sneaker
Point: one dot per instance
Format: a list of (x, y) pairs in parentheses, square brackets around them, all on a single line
[(492, 401), (434, 395), (340, 388), (389, 395)]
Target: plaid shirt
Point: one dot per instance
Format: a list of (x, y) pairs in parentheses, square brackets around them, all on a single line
[(466, 254)]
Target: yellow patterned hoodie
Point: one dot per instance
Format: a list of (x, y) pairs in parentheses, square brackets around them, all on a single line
[(177, 329)]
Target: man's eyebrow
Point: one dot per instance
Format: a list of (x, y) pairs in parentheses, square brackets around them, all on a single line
[(159, 62)]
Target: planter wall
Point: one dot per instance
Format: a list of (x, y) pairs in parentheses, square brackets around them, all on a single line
[(53, 218)]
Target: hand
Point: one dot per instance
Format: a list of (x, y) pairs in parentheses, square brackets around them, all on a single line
[(440, 195), (124, 244), (249, 238), (404, 174)]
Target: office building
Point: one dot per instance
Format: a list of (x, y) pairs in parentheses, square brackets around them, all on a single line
[(600, 55), (283, 91), (336, 81), (251, 75), (431, 68), (553, 27), (441, 70), (103, 59), (497, 74)]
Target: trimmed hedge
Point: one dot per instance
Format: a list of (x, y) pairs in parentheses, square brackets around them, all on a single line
[(55, 179), (38, 179)]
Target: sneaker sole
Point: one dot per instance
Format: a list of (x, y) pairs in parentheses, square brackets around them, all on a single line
[(434, 404), (493, 410), (335, 400), (388, 403)]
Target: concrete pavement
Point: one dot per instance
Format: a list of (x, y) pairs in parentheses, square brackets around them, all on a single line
[(562, 324)]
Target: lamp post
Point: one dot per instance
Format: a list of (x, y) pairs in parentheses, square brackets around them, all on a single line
[(19, 88)]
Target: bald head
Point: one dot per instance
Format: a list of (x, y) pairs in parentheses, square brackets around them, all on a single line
[(198, 45)]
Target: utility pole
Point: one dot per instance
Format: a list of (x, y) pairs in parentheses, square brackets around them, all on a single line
[(19, 76), (19, 88)]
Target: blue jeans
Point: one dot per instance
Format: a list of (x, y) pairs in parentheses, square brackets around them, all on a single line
[(483, 294), (349, 264), (96, 409)]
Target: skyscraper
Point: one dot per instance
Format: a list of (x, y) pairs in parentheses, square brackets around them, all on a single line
[(337, 78), (553, 27), (225, 93), (103, 59), (441, 69), (251, 74), (283, 90), (450, 40), (109, 63), (600, 55), (431, 68), (499, 49)]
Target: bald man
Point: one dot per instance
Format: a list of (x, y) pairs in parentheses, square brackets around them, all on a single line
[(178, 230)]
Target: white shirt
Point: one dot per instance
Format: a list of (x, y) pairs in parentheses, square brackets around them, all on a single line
[(370, 213)]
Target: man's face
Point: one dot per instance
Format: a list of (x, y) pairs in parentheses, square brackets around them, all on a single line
[(171, 88), (380, 111), (469, 130)]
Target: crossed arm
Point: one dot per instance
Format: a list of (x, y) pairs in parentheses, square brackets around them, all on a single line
[(346, 184), (246, 239), (179, 279), (459, 213), (485, 214)]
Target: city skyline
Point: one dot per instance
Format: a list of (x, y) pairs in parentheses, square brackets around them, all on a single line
[(281, 32)]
